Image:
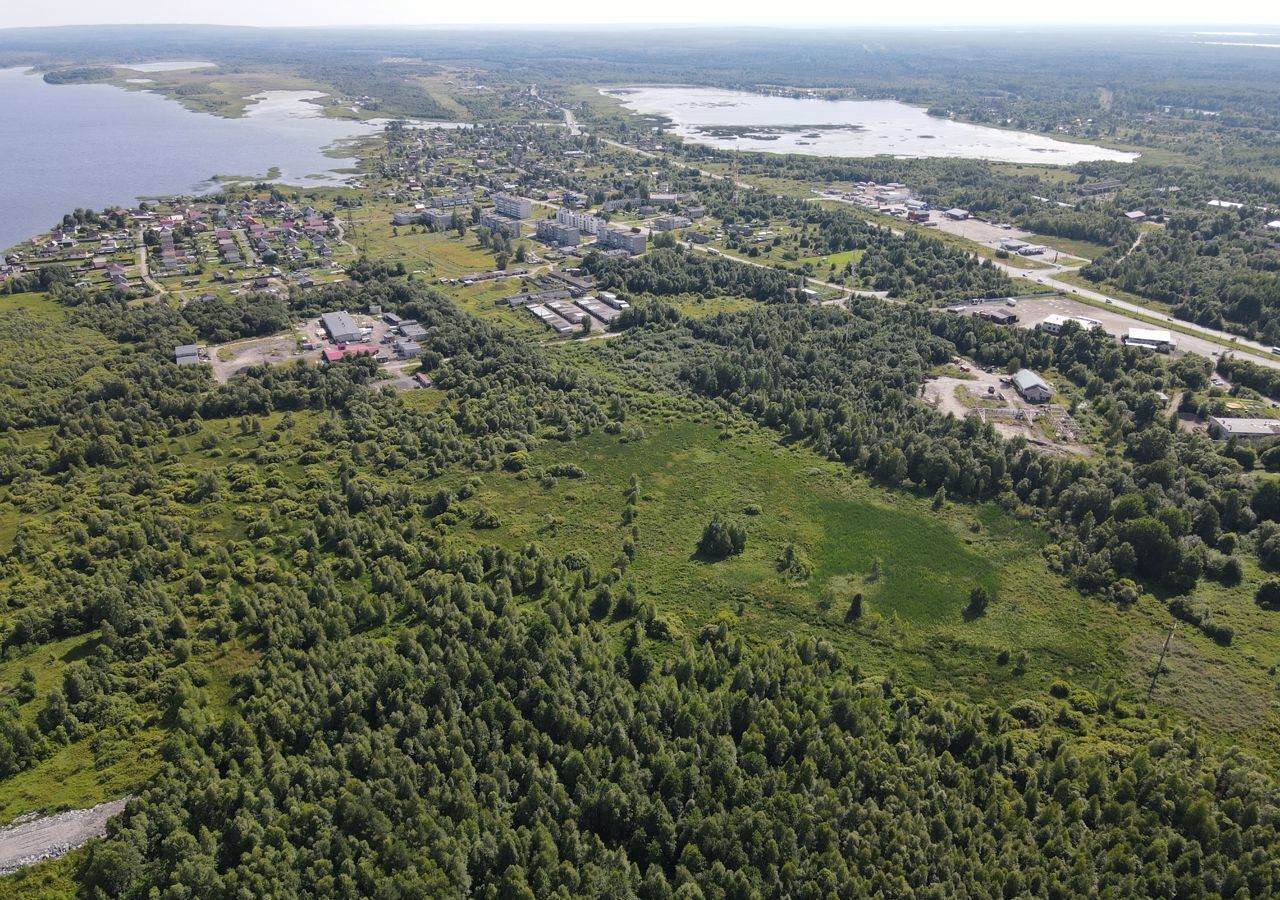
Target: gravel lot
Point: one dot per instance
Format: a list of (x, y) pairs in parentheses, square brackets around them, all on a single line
[(974, 230), (27, 843)]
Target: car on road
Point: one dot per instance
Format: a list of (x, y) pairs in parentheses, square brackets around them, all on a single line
[(1276, 350)]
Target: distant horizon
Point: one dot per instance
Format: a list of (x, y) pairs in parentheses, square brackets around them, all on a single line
[(1210, 29), (656, 13)]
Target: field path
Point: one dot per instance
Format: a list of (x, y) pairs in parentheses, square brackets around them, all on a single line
[(27, 843)]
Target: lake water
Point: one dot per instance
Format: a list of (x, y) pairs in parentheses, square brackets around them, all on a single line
[(842, 127), (94, 145), (174, 65)]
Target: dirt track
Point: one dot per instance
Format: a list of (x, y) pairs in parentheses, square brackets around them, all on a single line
[(27, 843)]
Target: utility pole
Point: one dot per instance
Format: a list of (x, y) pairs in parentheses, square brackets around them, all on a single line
[(1160, 665)]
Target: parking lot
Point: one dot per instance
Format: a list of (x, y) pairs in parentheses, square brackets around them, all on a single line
[(977, 230)]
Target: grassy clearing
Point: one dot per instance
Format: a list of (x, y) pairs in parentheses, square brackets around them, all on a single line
[(51, 880), (836, 260), (1082, 249), (927, 562)]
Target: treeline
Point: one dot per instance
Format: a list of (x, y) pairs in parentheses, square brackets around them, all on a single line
[(1220, 269), (670, 271), (484, 749)]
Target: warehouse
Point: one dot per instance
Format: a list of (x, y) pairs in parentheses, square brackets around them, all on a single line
[(547, 317), (340, 327), (999, 316), (1151, 339), (567, 311), (1031, 387), (1224, 428), (604, 313)]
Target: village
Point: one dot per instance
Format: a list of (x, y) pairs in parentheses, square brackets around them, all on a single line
[(501, 220)]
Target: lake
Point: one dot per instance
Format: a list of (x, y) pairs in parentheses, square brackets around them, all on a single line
[(842, 127), (95, 145)]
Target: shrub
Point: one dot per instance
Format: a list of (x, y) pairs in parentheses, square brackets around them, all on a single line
[(1083, 701), (1268, 594), (1031, 713), (979, 600), (721, 538)]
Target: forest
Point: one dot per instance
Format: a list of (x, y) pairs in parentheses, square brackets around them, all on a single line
[(1217, 267), (712, 604), (404, 730), (426, 718)]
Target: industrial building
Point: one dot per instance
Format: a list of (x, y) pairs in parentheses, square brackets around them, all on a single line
[(334, 354), (547, 317), (1224, 428), (1031, 387), (608, 298), (1157, 339), (567, 311), (1099, 187), (340, 327), (615, 238), (956, 213), (186, 355), (999, 316), (604, 313)]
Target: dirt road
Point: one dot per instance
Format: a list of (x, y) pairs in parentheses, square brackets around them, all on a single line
[(28, 843)]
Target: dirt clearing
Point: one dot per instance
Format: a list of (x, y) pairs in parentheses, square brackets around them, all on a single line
[(24, 844)]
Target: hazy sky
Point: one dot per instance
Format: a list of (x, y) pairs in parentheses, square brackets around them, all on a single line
[(591, 12)]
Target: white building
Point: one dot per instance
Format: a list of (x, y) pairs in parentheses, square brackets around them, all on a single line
[(584, 222), (1151, 339), (512, 206), (1032, 387), (341, 327), (1245, 429), (1054, 323)]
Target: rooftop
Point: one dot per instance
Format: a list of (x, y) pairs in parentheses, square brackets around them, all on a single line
[(1026, 379), (1247, 427)]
